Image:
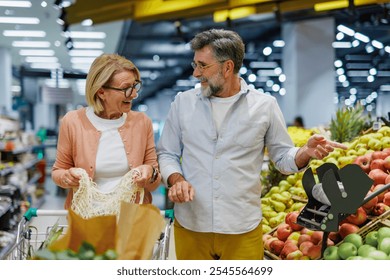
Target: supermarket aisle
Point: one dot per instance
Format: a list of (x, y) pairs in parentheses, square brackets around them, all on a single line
[(54, 200)]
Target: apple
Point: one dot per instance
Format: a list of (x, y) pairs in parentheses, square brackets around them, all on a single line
[(387, 151), (378, 155), (372, 238), (385, 142), (291, 219), (379, 209), (365, 249), (287, 249), (267, 243), (307, 231), (331, 253), (377, 255), (316, 237), (294, 235), (346, 229), (387, 180), (276, 246), (355, 239), (292, 241), (304, 247), (346, 250), (296, 255), (378, 175), (369, 205), (383, 232), (384, 245), (377, 164), (374, 144), (358, 218), (364, 162), (303, 237), (382, 194), (334, 236), (314, 252), (283, 231), (386, 199), (386, 163)]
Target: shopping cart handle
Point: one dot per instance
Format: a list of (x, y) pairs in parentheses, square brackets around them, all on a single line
[(31, 212), (168, 213)]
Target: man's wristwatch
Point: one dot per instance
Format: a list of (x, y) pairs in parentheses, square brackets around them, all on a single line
[(154, 175)]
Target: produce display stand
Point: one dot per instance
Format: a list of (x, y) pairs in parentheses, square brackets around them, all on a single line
[(28, 239)]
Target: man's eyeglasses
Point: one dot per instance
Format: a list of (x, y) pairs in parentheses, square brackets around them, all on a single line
[(203, 67), (128, 91)]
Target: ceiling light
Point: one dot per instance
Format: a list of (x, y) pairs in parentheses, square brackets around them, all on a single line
[(338, 63), (345, 30), (362, 37), (88, 45), (86, 60), (41, 59), (263, 64), (377, 44), (36, 52), (31, 44), (87, 35), (19, 20), (85, 53), (341, 45), (69, 43), (24, 33), (45, 65), (87, 22), (279, 43), (16, 4)]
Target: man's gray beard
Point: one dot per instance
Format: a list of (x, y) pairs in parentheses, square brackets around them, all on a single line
[(210, 92)]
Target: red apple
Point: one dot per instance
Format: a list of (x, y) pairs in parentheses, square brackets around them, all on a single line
[(379, 155), (378, 175), (377, 164), (387, 180), (276, 246), (314, 252), (387, 151), (283, 231), (364, 162), (379, 209), (307, 231), (368, 206), (291, 219), (382, 194), (304, 247), (358, 218), (346, 229), (302, 238), (334, 236), (267, 243), (287, 249), (292, 241), (386, 199), (316, 237), (386, 163)]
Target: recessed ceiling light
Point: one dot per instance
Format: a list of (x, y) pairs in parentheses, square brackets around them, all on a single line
[(19, 20), (41, 59), (16, 4), (86, 35), (88, 45), (36, 52), (31, 44), (24, 33), (85, 53)]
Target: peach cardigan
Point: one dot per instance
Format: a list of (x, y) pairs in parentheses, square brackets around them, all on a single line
[(78, 142)]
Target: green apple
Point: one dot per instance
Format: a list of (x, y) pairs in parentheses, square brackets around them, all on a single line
[(344, 160), (291, 179), (372, 238), (382, 233), (332, 160), (364, 139), (361, 151), (355, 239), (352, 153), (355, 258), (384, 245), (385, 130), (377, 255), (385, 142), (331, 253), (365, 249), (346, 250)]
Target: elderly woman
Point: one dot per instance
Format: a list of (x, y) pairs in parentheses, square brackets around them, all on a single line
[(107, 138)]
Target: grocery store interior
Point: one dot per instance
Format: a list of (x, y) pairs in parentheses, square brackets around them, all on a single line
[(327, 62)]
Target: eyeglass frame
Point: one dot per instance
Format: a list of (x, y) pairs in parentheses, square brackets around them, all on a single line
[(204, 67), (124, 90)]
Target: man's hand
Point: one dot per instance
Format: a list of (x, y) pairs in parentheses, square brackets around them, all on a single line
[(181, 191), (316, 147)]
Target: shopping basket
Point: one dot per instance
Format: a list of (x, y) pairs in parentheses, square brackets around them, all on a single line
[(29, 239)]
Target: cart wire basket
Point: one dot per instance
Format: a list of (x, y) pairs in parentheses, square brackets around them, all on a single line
[(29, 240)]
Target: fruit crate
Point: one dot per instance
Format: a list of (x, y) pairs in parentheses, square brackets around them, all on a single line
[(381, 221)]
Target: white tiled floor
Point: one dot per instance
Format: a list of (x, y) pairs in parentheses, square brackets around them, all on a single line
[(54, 200)]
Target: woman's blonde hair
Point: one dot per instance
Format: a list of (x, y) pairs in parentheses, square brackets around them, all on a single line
[(102, 70)]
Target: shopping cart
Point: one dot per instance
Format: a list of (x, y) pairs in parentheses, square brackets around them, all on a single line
[(29, 239)]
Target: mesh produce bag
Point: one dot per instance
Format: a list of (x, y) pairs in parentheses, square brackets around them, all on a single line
[(88, 201)]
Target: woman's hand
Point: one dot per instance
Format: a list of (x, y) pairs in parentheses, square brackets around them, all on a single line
[(143, 175), (71, 178)]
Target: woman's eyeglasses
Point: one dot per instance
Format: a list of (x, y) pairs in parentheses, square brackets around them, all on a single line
[(128, 91)]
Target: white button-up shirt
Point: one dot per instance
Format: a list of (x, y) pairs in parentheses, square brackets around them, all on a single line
[(224, 169)]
